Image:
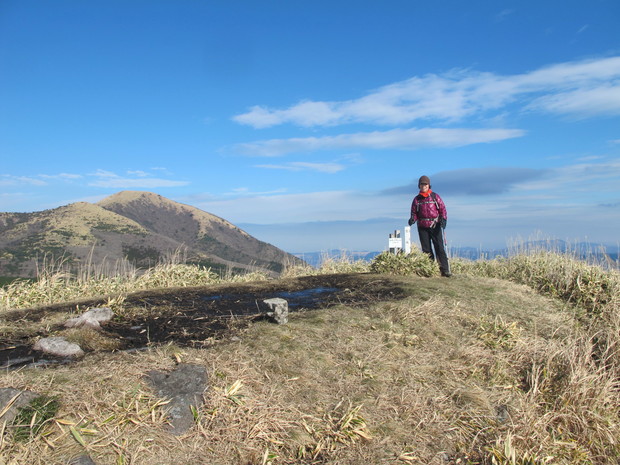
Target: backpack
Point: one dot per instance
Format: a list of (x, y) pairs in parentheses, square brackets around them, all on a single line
[(434, 198)]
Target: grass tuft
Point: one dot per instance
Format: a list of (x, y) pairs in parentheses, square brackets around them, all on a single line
[(415, 263), (31, 418)]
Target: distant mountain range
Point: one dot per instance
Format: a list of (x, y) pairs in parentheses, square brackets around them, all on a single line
[(582, 250), (315, 259), (140, 227)]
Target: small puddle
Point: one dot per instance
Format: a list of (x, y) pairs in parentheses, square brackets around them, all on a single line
[(232, 305), (307, 298), (246, 304)]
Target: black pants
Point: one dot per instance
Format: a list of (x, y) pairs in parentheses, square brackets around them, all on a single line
[(435, 235)]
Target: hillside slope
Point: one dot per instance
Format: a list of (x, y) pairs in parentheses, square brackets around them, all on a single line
[(466, 370), (142, 227)]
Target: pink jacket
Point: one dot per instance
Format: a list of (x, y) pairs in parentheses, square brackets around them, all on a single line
[(426, 211)]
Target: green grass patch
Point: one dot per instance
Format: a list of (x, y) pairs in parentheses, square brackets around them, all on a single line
[(32, 418)]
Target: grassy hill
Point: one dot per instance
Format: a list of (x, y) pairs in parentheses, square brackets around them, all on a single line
[(141, 229), (520, 368)]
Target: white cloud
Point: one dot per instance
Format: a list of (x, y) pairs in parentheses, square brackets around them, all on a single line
[(583, 28), (579, 199), (504, 14), (111, 180), (305, 114), (457, 94), (61, 176), (305, 166), (138, 173), (582, 103), (247, 192), (126, 183), (10, 180), (400, 139), (295, 208)]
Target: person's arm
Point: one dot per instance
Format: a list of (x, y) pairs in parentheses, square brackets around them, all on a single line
[(443, 212), (414, 216)]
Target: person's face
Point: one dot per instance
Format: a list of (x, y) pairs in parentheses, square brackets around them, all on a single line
[(424, 187)]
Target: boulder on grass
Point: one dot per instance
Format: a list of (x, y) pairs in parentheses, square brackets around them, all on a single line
[(92, 318), (59, 347)]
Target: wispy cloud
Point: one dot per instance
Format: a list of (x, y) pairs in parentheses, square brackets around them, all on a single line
[(239, 192), (10, 180), (610, 205), (582, 103), (400, 139), (460, 93), (306, 166), (138, 174), (100, 178), (474, 181), (562, 182), (133, 180), (310, 206), (502, 15), (61, 176), (505, 201), (591, 178), (583, 28)]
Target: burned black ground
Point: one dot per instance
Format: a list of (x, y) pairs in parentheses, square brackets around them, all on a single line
[(197, 316)]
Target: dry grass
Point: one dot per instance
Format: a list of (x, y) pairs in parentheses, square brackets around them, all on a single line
[(55, 285), (470, 370), (428, 380), (587, 286), (329, 265)]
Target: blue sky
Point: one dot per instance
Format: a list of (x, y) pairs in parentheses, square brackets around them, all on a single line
[(308, 123)]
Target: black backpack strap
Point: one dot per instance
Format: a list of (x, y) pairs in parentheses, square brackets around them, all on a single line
[(417, 205)]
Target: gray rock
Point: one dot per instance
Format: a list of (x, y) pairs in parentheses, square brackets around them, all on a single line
[(92, 318), (82, 460), (11, 400), (59, 347), (184, 388), (279, 310), (502, 413)]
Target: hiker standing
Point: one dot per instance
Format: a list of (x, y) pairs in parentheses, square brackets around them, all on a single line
[(429, 211)]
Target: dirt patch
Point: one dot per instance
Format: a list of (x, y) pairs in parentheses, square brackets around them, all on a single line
[(199, 315)]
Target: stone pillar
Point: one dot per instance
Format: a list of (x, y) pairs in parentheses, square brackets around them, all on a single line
[(279, 310)]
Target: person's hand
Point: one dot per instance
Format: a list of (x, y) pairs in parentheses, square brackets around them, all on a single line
[(443, 222), (411, 221)]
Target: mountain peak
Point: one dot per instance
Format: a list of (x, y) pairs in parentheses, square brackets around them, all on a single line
[(139, 226), (130, 196)]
